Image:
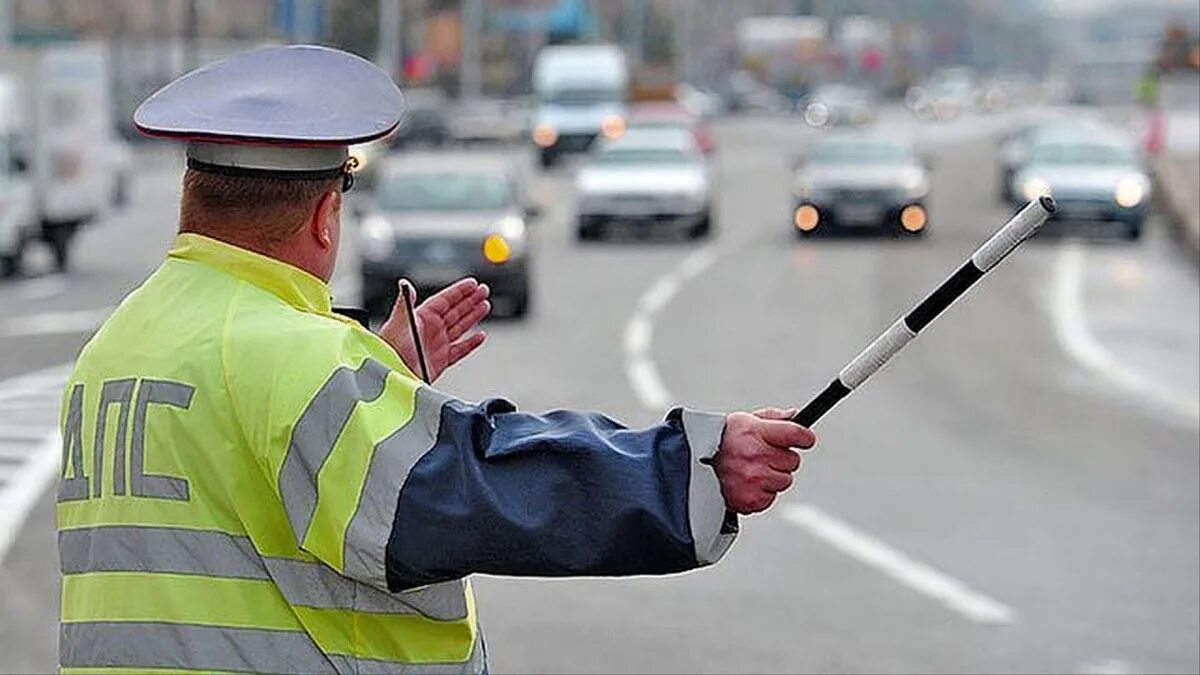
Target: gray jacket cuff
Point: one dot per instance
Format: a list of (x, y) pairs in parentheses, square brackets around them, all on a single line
[(713, 528)]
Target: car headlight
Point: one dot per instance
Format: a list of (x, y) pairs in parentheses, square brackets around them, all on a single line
[(916, 186), (378, 238), (544, 135), (504, 241), (612, 126), (816, 114), (1131, 190), (1033, 188)]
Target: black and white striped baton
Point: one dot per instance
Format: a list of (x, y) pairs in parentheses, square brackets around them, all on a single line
[(892, 340)]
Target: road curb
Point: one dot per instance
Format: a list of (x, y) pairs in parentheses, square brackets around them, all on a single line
[(1173, 188)]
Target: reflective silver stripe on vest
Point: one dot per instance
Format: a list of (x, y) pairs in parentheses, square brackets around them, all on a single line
[(129, 644), (475, 664), (365, 544), (158, 549), (168, 550), (317, 431), (137, 644)]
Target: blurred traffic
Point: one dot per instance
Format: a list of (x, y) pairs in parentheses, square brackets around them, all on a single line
[(698, 201)]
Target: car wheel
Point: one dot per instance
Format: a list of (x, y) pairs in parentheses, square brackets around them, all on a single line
[(58, 238), (520, 305), (588, 230), (702, 228), (547, 158), (10, 265)]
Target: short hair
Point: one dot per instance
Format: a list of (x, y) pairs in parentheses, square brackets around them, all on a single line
[(259, 211)]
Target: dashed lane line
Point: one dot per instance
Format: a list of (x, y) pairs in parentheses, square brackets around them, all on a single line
[(950, 592), (639, 331)]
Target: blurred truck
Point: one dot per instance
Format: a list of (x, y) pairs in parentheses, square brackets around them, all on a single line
[(56, 117), (581, 93)]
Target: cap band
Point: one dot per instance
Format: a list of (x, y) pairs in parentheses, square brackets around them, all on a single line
[(320, 174), (252, 159)]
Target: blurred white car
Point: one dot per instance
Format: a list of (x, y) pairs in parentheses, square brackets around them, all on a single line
[(652, 179)]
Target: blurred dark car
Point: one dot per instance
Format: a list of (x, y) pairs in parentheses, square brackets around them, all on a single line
[(835, 105), (435, 218), (425, 123), (860, 182), (1092, 177)]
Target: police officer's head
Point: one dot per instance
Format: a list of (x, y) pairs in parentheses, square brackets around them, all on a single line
[(298, 220), (267, 137)]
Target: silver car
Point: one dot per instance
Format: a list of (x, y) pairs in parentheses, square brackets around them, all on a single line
[(434, 218), (651, 179), (1092, 177)]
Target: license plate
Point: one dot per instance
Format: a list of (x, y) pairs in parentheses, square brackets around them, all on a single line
[(1085, 210), (860, 214), (436, 275)]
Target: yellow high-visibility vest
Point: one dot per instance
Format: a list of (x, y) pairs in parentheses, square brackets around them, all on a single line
[(232, 456)]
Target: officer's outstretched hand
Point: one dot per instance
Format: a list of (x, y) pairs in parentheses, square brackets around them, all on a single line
[(445, 322), (756, 459)]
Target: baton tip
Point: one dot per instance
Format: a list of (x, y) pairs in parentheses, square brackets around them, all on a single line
[(1047, 203)]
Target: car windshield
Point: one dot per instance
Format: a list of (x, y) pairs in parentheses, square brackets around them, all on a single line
[(1082, 153), (860, 153), (444, 192), (582, 96), (644, 155)]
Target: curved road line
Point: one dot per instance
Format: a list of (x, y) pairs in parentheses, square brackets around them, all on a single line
[(639, 331), (1071, 328)]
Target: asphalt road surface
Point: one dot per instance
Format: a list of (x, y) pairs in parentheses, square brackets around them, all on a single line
[(1017, 492)]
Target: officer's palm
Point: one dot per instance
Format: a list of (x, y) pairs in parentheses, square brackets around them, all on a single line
[(445, 322)]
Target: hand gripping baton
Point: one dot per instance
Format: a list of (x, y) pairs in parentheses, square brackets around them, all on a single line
[(892, 340)]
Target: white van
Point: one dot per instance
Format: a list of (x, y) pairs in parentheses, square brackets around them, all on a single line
[(581, 94), (59, 130)]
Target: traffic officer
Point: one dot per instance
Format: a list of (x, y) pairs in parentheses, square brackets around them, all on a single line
[(252, 482)]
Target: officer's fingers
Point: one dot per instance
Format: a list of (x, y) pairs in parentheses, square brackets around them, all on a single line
[(782, 459), (469, 320), (775, 413), (783, 434), (463, 348), (466, 304), (776, 481), (445, 300)]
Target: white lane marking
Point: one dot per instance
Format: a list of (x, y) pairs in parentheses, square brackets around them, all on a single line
[(54, 323), (41, 288), (24, 487), (952, 593), (29, 445), (639, 331), (1070, 324), (1105, 667)]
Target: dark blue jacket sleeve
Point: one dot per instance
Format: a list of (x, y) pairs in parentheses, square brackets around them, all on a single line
[(558, 494)]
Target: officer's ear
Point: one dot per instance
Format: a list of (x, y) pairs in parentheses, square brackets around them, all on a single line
[(326, 218)]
